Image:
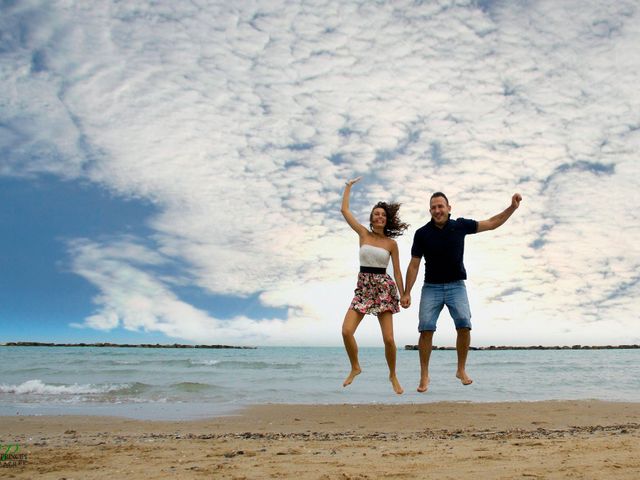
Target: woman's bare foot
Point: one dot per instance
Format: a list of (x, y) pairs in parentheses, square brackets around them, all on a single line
[(396, 384), (464, 378), (424, 384), (354, 373)]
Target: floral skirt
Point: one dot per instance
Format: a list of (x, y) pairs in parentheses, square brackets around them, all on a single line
[(375, 293)]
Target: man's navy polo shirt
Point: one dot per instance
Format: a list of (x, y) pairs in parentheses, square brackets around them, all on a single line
[(443, 249)]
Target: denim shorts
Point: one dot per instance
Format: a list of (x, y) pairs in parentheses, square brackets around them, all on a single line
[(437, 295)]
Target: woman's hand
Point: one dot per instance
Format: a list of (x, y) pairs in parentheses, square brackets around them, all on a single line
[(346, 213), (352, 181)]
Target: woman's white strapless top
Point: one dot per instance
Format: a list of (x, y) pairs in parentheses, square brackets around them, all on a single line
[(371, 256)]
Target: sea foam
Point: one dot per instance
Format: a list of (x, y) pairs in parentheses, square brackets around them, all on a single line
[(38, 387)]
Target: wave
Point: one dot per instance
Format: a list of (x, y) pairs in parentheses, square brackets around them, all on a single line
[(207, 363), (501, 364), (257, 365), (134, 388), (173, 363), (38, 387), (31, 370), (192, 387), (165, 362)]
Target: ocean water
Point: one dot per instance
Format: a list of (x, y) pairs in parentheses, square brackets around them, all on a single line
[(195, 383)]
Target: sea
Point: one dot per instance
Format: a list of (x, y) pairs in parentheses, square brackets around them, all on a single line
[(186, 384)]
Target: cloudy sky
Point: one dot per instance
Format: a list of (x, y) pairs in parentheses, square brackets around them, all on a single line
[(172, 171)]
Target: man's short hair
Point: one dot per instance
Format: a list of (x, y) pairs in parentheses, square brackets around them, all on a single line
[(439, 194)]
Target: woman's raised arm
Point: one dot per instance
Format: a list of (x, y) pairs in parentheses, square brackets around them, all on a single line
[(346, 213)]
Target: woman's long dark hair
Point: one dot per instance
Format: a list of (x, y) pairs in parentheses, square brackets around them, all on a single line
[(394, 227)]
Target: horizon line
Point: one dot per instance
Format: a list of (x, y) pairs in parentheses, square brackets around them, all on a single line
[(222, 346)]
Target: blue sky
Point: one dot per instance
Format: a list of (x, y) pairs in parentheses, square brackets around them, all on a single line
[(172, 172)]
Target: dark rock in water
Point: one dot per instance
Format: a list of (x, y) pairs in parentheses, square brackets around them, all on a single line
[(536, 347), (117, 345)]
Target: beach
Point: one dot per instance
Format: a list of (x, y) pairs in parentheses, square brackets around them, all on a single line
[(547, 439)]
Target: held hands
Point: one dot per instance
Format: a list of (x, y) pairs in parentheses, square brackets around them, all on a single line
[(405, 301), (515, 200), (352, 181)]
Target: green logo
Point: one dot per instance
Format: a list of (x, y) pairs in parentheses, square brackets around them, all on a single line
[(10, 456)]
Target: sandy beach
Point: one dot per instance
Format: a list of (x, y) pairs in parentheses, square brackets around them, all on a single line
[(551, 439)]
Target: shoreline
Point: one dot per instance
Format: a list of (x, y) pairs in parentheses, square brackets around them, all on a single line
[(203, 411), (583, 438)]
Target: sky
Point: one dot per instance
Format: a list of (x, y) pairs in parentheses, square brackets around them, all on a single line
[(172, 172)]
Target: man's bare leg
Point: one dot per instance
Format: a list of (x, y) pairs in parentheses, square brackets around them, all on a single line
[(424, 346), (351, 321), (463, 342), (386, 325)]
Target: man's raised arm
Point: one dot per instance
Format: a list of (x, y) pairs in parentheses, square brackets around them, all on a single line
[(497, 220)]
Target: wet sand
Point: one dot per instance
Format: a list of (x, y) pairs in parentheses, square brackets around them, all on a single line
[(551, 439)]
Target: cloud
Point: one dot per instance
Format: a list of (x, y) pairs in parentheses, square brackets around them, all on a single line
[(132, 297), (241, 123)]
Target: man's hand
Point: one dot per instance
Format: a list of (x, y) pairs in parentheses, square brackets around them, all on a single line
[(405, 301), (515, 200)]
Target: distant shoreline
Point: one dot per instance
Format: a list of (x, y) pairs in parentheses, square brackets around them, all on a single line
[(406, 347), (117, 345), (538, 347)]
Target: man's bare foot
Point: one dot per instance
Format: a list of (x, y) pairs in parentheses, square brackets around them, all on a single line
[(354, 373), (464, 378), (424, 384), (396, 384)]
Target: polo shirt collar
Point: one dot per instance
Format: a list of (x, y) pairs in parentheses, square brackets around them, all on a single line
[(433, 225)]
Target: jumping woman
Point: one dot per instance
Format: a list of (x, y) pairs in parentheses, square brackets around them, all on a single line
[(376, 293)]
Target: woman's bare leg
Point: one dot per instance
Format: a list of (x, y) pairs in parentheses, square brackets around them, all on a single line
[(351, 321), (386, 325)]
